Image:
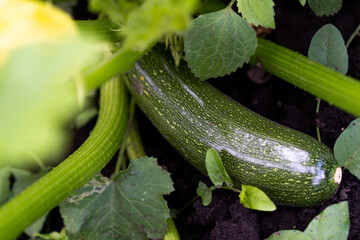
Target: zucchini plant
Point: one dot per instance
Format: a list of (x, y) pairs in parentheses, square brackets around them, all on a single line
[(122, 51)]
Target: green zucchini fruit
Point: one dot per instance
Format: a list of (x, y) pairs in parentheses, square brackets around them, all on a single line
[(294, 169)]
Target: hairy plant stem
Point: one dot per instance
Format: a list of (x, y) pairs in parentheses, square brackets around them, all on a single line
[(76, 170), (134, 147), (318, 100), (323, 82), (356, 32), (120, 159)]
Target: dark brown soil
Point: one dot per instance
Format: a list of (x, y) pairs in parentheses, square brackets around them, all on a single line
[(225, 218)]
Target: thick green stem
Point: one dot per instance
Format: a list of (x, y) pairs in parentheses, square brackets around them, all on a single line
[(171, 232), (120, 62), (76, 170), (102, 28), (323, 82)]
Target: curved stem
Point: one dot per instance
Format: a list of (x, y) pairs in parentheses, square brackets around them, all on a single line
[(120, 62), (325, 83), (76, 170), (231, 3), (134, 147), (356, 32), (317, 111), (123, 144)]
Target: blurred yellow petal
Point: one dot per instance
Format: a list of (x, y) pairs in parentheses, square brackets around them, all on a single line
[(25, 22)]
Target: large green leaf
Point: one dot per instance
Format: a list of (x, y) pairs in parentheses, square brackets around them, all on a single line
[(289, 235), (130, 207), (258, 12), (218, 43), (328, 48), (332, 223), (325, 7)]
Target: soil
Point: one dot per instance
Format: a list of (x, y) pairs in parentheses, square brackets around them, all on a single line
[(281, 102)]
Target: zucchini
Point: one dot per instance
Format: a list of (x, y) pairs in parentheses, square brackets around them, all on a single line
[(294, 169)]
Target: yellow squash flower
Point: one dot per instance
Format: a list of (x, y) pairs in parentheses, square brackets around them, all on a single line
[(24, 22)]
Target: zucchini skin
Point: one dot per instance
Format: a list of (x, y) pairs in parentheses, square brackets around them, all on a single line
[(292, 168)]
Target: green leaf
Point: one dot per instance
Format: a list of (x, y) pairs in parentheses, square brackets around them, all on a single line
[(258, 12), (130, 207), (218, 43), (155, 18), (43, 96), (289, 235), (332, 223), (325, 7), (302, 2), (347, 148), (216, 169), (205, 193), (253, 198), (328, 48), (5, 191)]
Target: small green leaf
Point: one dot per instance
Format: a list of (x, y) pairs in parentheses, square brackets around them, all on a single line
[(205, 193), (332, 223), (302, 2), (5, 191), (218, 43), (328, 48), (289, 235), (253, 198), (258, 12), (347, 148), (216, 169), (130, 207), (325, 7)]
